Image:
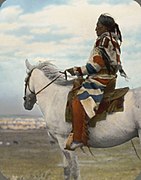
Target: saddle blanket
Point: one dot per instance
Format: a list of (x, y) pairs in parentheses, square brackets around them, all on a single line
[(112, 102)]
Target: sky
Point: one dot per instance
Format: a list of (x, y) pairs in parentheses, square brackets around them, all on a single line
[(62, 31)]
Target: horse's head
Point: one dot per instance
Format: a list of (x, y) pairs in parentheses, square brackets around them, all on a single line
[(29, 96), (29, 101), (51, 74)]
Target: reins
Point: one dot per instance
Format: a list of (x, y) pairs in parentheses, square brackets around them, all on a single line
[(27, 82), (52, 82)]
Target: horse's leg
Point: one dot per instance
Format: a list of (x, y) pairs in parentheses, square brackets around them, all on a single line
[(67, 165), (75, 167), (71, 166), (139, 134)]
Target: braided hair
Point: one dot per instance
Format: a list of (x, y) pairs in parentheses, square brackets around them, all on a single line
[(111, 25)]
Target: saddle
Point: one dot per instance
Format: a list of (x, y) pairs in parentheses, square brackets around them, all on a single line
[(113, 100)]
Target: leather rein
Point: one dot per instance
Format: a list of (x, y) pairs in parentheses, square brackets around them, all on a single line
[(28, 78)]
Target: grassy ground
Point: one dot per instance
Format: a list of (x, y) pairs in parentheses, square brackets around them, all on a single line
[(27, 155)]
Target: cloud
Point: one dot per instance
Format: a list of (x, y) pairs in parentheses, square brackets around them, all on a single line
[(114, 2), (62, 32), (10, 14), (55, 29)]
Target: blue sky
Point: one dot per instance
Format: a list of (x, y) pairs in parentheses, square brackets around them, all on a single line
[(62, 31)]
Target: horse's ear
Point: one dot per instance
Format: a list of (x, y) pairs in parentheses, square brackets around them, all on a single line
[(28, 65)]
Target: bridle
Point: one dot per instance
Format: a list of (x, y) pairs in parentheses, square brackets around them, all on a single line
[(27, 84), (35, 94)]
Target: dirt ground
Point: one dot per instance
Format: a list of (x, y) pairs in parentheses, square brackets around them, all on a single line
[(28, 155)]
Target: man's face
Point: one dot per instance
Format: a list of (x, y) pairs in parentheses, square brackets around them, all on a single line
[(100, 29)]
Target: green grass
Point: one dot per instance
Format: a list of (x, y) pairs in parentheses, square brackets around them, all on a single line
[(33, 158)]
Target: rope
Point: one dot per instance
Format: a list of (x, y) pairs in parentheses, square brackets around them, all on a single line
[(52, 81), (135, 150)]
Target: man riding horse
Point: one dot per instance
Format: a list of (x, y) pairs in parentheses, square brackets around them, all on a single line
[(101, 68)]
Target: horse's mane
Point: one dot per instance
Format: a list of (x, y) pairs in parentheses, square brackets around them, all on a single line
[(51, 72)]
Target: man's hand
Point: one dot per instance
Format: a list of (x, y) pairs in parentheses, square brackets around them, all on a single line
[(71, 71), (75, 71)]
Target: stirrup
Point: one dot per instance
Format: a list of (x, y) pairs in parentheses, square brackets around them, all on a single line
[(69, 142)]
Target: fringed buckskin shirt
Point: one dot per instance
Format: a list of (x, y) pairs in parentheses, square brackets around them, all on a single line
[(99, 74)]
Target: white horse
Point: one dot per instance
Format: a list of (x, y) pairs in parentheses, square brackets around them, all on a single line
[(45, 83)]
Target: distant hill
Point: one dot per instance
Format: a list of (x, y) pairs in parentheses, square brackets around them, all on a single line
[(23, 122)]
